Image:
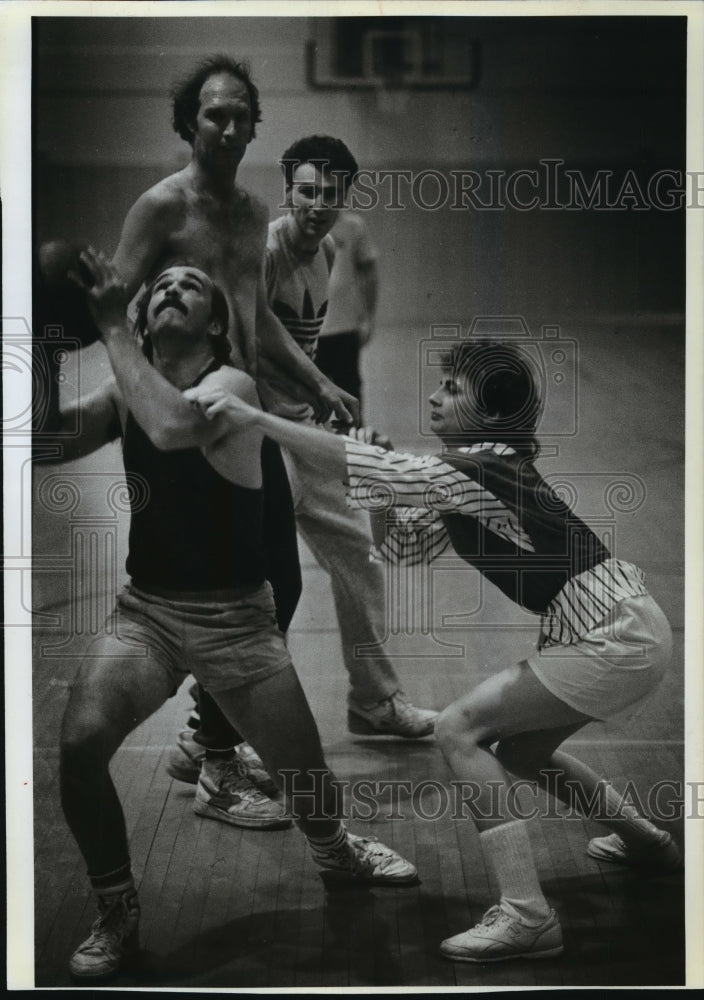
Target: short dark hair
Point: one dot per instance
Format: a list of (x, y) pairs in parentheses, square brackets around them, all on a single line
[(323, 151), (185, 93), (219, 311), (503, 381)]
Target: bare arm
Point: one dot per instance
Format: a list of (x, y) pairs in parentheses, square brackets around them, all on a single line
[(87, 425), (141, 241), (320, 449), (277, 344), (159, 408), (368, 276)]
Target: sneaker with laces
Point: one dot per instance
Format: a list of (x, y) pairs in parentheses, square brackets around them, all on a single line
[(225, 792), (662, 855), (113, 938), (366, 859), (186, 758), (256, 772), (500, 936), (395, 716)]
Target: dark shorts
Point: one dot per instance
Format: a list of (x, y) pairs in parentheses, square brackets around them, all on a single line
[(226, 639)]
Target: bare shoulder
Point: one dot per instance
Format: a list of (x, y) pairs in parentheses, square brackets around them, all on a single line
[(350, 225), (356, 223), (103, 410), (164, 197), (228, 379)]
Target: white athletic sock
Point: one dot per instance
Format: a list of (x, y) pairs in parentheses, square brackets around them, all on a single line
[(626, 821), (508, 851), (332, 851)]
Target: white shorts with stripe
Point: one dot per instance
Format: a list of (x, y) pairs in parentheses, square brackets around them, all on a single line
[(613, 666)]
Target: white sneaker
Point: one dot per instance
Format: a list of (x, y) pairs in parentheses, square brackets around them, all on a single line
[(256, 772), (500, 936), (662, 855), (395, 716), (225, 792), (113, 938), (365, 859)]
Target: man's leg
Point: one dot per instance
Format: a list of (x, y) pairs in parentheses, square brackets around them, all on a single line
[(115, 691), (275, 716), (340, 540), (283, 564), (214, 737)]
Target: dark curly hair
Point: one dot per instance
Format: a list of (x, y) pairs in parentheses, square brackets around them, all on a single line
[(504, 383), (321, 151), (185, 93), (219, 311)]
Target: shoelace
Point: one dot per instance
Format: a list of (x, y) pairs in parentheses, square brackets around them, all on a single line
[(493, 916), (236, 779), (111, 914), (371, 851)]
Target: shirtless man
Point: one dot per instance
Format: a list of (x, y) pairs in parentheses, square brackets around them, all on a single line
[(200, 214)]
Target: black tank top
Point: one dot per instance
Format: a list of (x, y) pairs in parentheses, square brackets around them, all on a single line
[(196, 531)]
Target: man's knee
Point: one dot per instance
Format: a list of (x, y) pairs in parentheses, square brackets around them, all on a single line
[(87, 742)]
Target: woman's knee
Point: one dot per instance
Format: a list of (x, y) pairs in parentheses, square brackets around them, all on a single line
[(457, 727)]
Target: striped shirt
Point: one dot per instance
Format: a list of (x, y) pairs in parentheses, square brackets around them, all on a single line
[(496, 512)]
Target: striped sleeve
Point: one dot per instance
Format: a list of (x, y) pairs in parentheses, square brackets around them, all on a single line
[(413, 536), (378, 479)]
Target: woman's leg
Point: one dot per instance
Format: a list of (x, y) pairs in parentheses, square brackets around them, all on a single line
[(535, 756), (511, 702)]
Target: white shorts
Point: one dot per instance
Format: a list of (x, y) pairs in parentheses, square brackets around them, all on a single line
[(612, 667)]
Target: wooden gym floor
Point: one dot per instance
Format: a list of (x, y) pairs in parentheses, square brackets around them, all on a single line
[(226, 907)]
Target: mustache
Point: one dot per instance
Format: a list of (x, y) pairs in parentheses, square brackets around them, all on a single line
[(170, 303)]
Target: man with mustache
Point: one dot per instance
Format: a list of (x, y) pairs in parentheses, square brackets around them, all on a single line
[(197, 600), (202, 214)]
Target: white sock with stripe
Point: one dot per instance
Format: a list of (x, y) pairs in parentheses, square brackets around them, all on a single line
[(332, 851)]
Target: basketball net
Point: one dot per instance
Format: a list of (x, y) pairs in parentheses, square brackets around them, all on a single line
[(391, 101)]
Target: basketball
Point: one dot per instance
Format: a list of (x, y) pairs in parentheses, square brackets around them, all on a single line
[(58, 301)]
